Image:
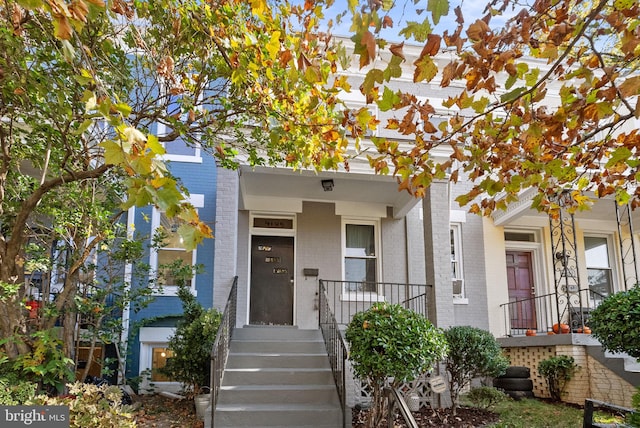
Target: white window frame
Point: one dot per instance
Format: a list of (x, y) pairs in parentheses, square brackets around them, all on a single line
[(372, 296), (172, 290), (154, 337), (161, 130), (455, 234), (611, 259)]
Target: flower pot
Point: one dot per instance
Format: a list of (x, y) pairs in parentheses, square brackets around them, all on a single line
[(530, 333), (562, 328), (202, 401), (413, 402)]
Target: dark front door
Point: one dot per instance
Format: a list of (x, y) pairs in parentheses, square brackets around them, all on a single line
[(521, 290), (271, 300)]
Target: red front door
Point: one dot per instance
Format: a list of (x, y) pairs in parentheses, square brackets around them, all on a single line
[(521, 290)]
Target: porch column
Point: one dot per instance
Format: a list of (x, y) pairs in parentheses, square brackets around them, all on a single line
[(437, 249), (626, 236), (225, 233)]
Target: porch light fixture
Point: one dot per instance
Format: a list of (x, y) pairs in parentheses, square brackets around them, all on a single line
[(327, 185)]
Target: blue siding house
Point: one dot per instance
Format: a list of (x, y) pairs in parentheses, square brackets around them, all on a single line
[(150, 328)]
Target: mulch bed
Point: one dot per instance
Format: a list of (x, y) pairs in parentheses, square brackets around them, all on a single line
[(467, 417), (156, 411)]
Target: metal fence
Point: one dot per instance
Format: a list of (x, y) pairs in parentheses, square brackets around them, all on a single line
[(220, 350), (346, 298), (336, 347), (541, 313)]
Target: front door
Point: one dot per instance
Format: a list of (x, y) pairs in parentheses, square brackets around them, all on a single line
[(521, 290), (271, 300)]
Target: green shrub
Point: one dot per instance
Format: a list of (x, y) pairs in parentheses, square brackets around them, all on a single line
[(616, 322), (46, 365), (91, 406), (473, 352), (486, 397), (388, 341), (557, 371), (633, 419), (191, 344), (15, 392)]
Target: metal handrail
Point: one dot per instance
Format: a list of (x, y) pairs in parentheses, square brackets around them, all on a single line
[(394, 397), (336, 347), (539, 313), (348, 297), (220, 350)]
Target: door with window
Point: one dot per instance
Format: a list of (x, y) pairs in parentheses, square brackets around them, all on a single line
[(272, 280), (521, 290)]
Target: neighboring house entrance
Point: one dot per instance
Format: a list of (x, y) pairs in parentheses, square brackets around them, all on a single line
[(521, 289), (272, 270)]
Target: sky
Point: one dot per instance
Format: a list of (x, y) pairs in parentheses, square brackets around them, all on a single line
[(405, 10)]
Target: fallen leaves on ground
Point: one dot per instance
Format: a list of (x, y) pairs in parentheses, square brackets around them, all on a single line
[(157, 411), (467, 417)]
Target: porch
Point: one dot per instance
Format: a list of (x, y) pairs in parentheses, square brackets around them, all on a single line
[(548, 313)]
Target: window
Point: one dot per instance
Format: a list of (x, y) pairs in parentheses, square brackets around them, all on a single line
[(168, 259), (598, 266), (159, 357), (178, 149), (455, 233), (360, 258)]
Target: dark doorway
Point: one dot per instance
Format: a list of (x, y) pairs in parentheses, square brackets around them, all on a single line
[(521, 290), (271, 300)]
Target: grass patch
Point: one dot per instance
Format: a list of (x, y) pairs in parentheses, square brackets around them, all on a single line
[(542, 414)]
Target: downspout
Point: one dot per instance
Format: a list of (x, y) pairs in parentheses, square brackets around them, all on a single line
[(126, 311)]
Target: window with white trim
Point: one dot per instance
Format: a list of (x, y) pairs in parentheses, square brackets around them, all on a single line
[(177, 149), (457, 279), (597, 258), (172, 254), (159, 357), (360, 251)]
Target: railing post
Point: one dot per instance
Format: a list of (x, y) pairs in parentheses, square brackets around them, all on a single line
[(587, 420)]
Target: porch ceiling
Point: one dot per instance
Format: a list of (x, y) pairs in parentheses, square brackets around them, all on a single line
[(285, 184)]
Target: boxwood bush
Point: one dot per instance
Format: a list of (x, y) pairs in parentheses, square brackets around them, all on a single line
[(473, 352), (389, 345)]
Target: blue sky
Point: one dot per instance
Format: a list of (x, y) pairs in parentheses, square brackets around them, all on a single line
[(405, 10)]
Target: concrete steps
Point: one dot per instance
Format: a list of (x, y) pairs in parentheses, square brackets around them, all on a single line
[(277, 377)]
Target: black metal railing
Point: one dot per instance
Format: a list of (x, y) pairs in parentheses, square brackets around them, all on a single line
[(336, 347), (220, 350), (541, 313), (590, 405), (348, 297)]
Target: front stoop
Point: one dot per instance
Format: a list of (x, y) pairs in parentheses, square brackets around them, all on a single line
[(277, 377)]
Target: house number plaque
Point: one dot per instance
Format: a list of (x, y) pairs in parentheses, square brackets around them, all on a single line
[(280, 271)]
